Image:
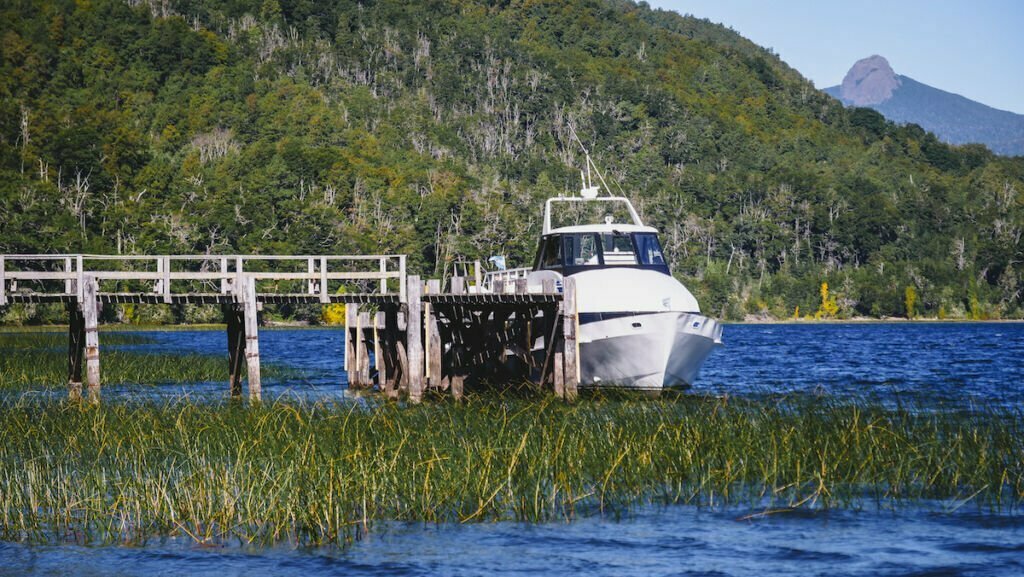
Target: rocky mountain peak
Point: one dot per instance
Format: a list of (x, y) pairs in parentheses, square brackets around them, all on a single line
[(870, 81)]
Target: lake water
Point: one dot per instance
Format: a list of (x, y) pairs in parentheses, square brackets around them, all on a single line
[(949, 365)]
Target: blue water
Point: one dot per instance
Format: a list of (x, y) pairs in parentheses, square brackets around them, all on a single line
[(950, 365)]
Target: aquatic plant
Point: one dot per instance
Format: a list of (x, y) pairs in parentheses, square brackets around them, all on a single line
[(39, 359), (324, 473)]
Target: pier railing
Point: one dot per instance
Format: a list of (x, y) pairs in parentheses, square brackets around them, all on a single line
[(202, 278)]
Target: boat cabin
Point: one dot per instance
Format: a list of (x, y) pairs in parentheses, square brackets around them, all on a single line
[(577, 249)]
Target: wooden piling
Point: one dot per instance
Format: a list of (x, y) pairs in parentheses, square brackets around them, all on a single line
[(351, 363), (363, 351), (570, 331), (76, 349), (252, 340), (391, 366), (414, 337), (432, 344), (90, 318), (234, 317)]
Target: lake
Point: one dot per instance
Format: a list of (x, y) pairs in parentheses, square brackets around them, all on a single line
[(931, 365)]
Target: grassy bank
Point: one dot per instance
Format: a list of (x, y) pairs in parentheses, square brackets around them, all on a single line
[(39, 359), (319, 474)]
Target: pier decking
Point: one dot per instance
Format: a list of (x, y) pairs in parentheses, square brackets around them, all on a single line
[(422, 336)]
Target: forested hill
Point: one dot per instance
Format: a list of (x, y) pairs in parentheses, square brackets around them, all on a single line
[(437, 129)]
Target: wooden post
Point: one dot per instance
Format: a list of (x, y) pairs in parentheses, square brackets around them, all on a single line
[(167, 279), (351, 362), (558, 375), (570, 330), (414, 338), (224, 282), (458, 285), (478, 275), (362, 350), (69, 284), (310, 281), (324, 295), (90, 317), (390, 379), (378, 351), (432, 344), (3, 282), (383, 271), (235, 319), (521, 286), (252, 340), (76, 350)]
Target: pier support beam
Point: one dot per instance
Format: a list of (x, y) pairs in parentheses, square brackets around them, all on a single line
[(414, 337), (570, 331), (252, 340), (234, 317), (90, 317), (76, 349), (389, 380), (363, 326)]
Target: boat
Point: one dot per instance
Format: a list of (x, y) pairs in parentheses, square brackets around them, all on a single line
[(639, 327)]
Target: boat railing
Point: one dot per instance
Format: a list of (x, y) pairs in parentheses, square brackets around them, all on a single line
[(505, 278)]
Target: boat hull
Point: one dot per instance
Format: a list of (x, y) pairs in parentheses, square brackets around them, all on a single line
[(647, 351)]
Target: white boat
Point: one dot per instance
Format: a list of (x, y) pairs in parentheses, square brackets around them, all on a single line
[(639, 327)]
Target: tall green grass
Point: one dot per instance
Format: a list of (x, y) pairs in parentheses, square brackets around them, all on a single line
[(39, 359), (324, 473)]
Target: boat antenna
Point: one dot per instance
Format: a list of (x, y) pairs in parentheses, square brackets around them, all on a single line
[(590, 164)]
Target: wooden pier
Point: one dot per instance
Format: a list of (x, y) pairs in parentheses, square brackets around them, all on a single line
[(423, 336)]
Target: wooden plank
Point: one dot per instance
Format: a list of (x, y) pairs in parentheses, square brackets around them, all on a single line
[(235, 319), (90, 318), (570, 331), (3, 282), (252, 340), (76, 350), (414, 338)]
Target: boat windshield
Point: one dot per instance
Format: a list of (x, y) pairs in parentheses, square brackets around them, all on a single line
[(573, 252)]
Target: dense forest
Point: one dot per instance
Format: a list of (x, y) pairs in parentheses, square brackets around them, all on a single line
[(436, 129)]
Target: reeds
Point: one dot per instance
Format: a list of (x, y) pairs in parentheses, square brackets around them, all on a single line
[(323, 473), (39, 359)]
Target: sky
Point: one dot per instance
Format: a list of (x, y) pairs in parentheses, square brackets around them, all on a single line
[(972, 48)]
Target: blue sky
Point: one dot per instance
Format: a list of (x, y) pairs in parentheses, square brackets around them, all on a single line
[(975, 49)]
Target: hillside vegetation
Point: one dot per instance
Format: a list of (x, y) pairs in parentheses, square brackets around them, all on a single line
[(437, 128)]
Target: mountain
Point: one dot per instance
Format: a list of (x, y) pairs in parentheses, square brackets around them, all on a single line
[(871, 82), (437, 128)]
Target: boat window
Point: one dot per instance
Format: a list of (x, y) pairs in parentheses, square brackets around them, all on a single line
[(580, 249), (618, 249), (649, 249), (552, 257)]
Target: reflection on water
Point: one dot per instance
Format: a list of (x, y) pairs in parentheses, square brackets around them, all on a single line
[(954, 365)]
